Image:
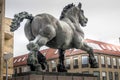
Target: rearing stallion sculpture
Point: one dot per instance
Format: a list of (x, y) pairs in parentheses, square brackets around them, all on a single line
[(65, 33)]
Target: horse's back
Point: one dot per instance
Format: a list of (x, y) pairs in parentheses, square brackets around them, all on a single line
[(41, 21)]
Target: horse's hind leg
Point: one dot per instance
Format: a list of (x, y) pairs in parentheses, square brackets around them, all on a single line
[(45, 34), (61, 66), (92, 60), (34, 47), (40, 40)]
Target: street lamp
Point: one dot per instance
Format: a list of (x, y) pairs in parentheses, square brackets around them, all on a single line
[(119, 39), (6, 58)]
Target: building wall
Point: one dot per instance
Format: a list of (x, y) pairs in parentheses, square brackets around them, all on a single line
[(106, 69), (2, 16), (6, 41), (8, 46), (102, 70), (21, 69)]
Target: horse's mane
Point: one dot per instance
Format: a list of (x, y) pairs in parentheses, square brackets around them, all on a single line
[(65, 9)]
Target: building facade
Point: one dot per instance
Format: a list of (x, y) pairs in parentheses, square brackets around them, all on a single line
[(2, 15), (6, 42), (76, 60), (8, 48)]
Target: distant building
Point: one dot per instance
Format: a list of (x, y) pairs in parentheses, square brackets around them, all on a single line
[(76, 60)]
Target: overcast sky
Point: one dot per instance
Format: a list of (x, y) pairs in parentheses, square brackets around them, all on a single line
[(103, 18)]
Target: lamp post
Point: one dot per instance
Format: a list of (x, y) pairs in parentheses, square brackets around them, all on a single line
[(119, 39), (6, 58)]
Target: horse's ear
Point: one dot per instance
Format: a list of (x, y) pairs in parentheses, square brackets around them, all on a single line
[(79, 5)]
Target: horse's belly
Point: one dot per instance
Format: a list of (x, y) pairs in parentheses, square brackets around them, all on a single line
[(59, 44)]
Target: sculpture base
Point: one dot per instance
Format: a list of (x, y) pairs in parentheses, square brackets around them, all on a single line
[(52, 76)]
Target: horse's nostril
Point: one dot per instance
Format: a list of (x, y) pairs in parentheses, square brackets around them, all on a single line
[(86, 19)]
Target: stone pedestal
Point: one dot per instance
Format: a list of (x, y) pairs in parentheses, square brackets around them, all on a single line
[(53, 76)]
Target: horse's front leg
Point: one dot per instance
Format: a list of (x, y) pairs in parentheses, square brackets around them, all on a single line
[(92, 60), (61, 66)]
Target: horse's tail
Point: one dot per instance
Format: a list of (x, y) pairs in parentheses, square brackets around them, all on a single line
[(18, 18)]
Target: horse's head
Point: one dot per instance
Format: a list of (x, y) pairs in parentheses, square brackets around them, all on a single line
[(74, 13), (82, 19)]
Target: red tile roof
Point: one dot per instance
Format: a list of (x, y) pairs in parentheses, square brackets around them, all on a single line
[(20, 60), (98, 46)]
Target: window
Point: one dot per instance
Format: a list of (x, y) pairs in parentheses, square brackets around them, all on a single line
[(96, 57), (19, 60), (15, 61), (119, 62), (75, 62), (56, 51), (67, 61), (102, 61), (109, 47), (116, 76), (20, 70), (26, 69), (85, 72), (94, 46), (114, 62), (118, 48), (110, 76), (15, 71), (103, 46), (84, 61), (23, 58), (114, 48), (109, 62), (97, 73), (47, 68), (104, 76), (53, 66)]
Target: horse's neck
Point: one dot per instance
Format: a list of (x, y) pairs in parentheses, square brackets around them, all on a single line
[(75, 22)]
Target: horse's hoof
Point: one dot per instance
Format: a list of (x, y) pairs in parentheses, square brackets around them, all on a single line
[(94, 65), (44, 66), (65, 70), (38, 67), (61, 68)]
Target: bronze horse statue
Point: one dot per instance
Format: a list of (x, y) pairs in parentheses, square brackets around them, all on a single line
[(65, 33)]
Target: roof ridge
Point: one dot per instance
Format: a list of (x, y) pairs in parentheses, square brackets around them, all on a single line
[(101, 42), (21, 55)]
